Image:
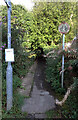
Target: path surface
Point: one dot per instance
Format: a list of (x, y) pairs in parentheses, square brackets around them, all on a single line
[(28, 81), (40, 100)]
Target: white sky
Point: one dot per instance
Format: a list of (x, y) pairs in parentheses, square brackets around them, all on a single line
[(27, 3)]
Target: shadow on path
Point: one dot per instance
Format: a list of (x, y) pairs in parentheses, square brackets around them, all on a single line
[(41, 100)]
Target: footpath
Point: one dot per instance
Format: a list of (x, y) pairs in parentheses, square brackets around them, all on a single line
[(27, 81), (40, 100)]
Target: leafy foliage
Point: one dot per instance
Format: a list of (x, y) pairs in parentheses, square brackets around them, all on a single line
[(46, 19), (35, 32), (19, 25), (69, 109), (52, 74)]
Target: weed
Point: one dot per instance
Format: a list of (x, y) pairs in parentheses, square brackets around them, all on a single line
[(53, 114)]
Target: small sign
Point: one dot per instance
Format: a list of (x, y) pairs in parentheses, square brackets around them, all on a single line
[(9, 55), (64, 28)]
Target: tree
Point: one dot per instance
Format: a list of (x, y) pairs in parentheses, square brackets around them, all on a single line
[(46, 19), (20, 18)]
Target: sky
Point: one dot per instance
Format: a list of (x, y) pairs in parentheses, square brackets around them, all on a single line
[(27, 3)]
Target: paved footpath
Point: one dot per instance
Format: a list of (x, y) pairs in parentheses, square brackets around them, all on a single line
[(40, 100), (28, 81)]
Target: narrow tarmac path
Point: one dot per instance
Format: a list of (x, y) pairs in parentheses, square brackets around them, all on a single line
[(40, 100)]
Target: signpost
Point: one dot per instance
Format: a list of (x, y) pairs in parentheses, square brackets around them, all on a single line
[(63, 28), (8, 55)]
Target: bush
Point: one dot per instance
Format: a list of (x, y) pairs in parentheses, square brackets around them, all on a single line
[(69, 108), (52, 74)]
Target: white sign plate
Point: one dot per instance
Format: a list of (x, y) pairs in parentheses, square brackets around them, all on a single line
[(9, 55)]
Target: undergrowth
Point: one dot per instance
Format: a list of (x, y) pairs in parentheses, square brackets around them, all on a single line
[(69, 108), (20, 69)]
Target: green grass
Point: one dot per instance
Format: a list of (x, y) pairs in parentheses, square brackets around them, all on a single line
[(15, 111), (22, 87), (53, 114), (18, 99)]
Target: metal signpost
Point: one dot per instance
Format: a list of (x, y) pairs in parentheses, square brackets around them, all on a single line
[(63, 28), (7, 57)]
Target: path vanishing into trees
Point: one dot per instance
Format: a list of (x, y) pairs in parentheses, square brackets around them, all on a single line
[(40, 99)]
